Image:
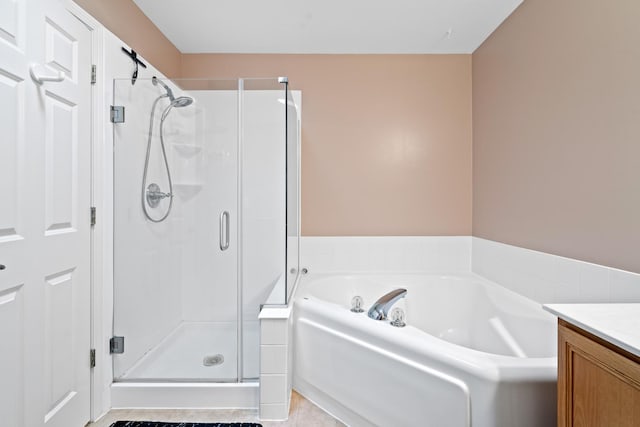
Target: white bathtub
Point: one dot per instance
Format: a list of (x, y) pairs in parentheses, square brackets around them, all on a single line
[(472, 353)]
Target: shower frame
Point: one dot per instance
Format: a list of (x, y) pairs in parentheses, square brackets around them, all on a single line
[(125, 388)]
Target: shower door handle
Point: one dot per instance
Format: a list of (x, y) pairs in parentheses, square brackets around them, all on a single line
[(224, 231)]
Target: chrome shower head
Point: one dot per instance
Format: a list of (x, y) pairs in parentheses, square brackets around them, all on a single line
[(182, 101)]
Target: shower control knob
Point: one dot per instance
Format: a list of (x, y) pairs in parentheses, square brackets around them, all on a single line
[(304, 270), (154, 195)]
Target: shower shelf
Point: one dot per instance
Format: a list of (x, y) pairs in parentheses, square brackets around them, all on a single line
[(187, 149), (175, 132), (187, 190)]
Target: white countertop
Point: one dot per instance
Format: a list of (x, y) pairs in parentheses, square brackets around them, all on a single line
[(617, 323)]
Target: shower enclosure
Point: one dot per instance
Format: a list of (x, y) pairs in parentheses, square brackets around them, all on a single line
[(206, 184)]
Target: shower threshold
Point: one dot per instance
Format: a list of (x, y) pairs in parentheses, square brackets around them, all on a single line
[(173, 395)]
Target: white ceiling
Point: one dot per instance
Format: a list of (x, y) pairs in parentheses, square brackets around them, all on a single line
[(327, 26)]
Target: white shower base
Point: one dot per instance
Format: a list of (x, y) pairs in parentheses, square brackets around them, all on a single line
[(180, 355), (172, 374)]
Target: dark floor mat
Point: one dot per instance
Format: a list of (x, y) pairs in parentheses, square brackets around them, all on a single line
[(163, 424)]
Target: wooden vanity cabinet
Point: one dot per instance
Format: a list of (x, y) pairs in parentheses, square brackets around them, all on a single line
[(598, 382)]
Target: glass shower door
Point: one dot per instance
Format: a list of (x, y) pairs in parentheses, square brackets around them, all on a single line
[(176, 230)]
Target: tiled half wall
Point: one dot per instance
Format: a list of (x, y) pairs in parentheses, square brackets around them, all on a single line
[(543, 277)]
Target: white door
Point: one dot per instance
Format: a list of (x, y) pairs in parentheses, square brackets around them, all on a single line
[(44, 216)]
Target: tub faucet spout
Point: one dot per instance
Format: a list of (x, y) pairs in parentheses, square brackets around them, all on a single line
[(380, 309)]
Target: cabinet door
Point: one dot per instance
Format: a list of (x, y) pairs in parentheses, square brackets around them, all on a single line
[(597, 386)]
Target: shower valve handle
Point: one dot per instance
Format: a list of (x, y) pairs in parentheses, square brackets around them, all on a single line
[(154, 195), (158, 195)]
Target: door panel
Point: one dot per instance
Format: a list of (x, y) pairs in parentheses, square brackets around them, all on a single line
[(61, 52), (13, 74), (13, 250), (66, 141), (61, 169), (12, 356), (44, 216), (12, 24), (59, 384), (12, 105)]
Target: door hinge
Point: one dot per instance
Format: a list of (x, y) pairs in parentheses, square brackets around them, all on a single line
[(93, 216), (93, 74), (92, 358), (117, 114), (116, 345)]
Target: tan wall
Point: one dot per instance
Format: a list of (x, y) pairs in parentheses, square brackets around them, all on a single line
[(124, 19), (386, 139), (556, 131)]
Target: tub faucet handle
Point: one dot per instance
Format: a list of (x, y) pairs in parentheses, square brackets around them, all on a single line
[(397, 318), (356, 304)]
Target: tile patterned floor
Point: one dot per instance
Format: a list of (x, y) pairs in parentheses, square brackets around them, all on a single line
[(302, 414)]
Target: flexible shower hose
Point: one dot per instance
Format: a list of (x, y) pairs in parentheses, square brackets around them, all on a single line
[(164, 156)]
